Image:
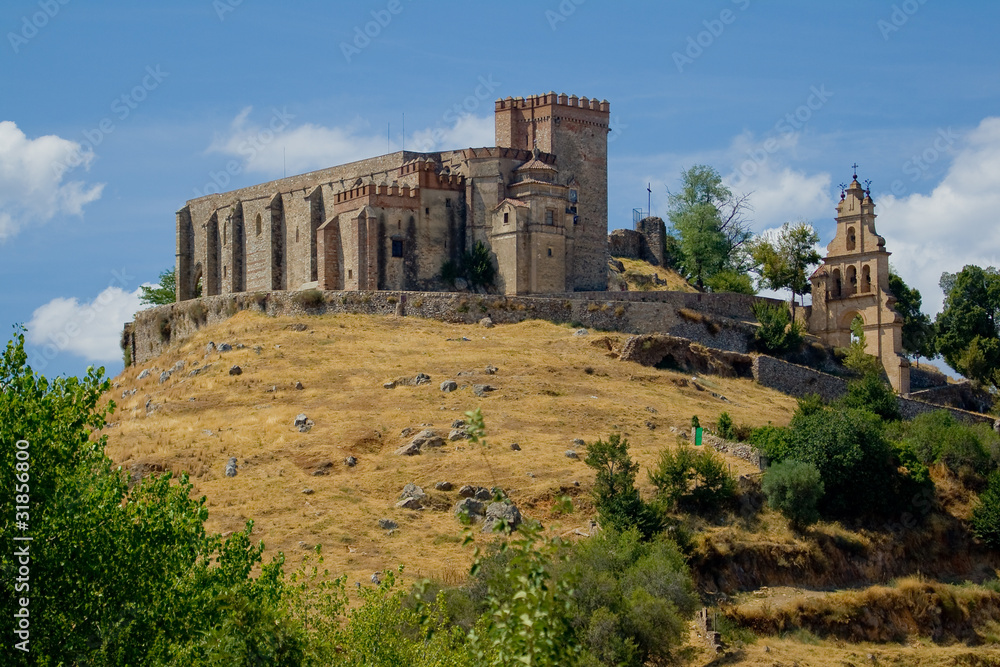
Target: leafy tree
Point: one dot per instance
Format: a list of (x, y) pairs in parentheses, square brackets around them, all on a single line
[(632, 597), (729, 280), (858, 359), (474, 266), (873, 394), (966, 328), (686, 477), (782, 261), (724, 426), (777, 332), (617, 500), (937, 437), (710, 223), (794, 488), (986, 513), (164, 293), (918, 331)]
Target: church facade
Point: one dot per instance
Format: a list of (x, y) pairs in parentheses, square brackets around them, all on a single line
[(537, 200)]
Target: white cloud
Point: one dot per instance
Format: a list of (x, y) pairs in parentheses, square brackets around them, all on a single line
[(91, 330), (276, 146), (955, 224), (32, 189)]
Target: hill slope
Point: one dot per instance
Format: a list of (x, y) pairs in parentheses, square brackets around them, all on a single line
[(552, 386)]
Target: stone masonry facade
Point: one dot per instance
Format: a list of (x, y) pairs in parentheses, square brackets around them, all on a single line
[(538, 200)]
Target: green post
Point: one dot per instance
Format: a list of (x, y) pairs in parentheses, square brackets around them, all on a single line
[(697, 437)]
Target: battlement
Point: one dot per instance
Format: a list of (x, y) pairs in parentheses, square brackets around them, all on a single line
[(552, 99)]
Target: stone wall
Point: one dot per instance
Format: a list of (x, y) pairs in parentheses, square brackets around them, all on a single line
[(155, 329), (625, 243)]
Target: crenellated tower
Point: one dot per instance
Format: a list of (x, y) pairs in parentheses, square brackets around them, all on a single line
[(575, 130)]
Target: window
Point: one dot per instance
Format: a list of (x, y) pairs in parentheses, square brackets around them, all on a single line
[(447, 203), (397, 248), (572, 196), (258, 224), (548, 217), (296, 234), (225, 234), (224, 271), (427, 211), (851, 238), (350, 273), (506, 217), (550, 252)]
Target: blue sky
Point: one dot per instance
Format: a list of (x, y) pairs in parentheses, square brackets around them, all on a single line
[(115, 113)]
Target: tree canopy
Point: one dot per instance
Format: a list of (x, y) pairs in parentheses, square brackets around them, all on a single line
[(782, 261), (710, 224), (918, 331), (966, 329), (164, 293)]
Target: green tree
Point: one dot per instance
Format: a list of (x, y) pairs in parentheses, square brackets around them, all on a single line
[(777, 332), (966, 328), (986, 513), (685, 477), (782, 261), (857, 358), (918, 331), (617, 500), (794, 488), (164, 293), (873, 394), (710, 224)]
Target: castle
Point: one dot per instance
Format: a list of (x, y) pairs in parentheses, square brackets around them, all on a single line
[(538, 200)]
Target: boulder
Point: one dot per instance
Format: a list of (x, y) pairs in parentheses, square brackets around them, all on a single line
[(421, 378), (303, 423), (298, 385), (427, 438), (412, 491), (231, 467), (461, 284), (491, 370), (164, 376), (449, 385), (443, 486), (467, 491), (457, 434), (210, 348), (578, 442), (225, 347), (387, 524), (570, 454), (307, 491), (350, 462), (515, 447), (236, 370), (458, 423), (143, 375), (483, 494), (409, 504), (580, 332), (408, 449), (486, 322), (506, 512), (391, 384), (482, 389), (470, 507), (179, 366)]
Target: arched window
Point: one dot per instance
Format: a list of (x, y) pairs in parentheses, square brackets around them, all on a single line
[(257, 224), (866, 278), (852, 240), (836, 288), (852, 280)]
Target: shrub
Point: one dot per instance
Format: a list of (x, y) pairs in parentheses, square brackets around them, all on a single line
[(197, 313), (794, 488), (686, 477), (986, 513), (731, 281), (873, 394), (724, 426), (772, 441), (163, 326), (618, 503), (809, 404), (777, 333), (308, 299), (937, 437)]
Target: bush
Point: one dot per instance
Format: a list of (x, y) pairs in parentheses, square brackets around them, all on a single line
[(724, 426), (698, 479), (794, 488), (774, 442), (777, 333), (873, 394), (809, 404), (731, 281), (618, 503), (986, 513), (632, 598), (937, 437)]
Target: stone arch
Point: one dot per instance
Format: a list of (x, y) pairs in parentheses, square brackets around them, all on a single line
[(852, 238), (851, 277), (239, 250), (866, 279), (278, 269), (837, 286), (197, 289)]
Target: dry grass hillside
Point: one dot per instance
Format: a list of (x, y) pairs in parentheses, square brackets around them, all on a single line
[(641, 276), (551, 386)]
